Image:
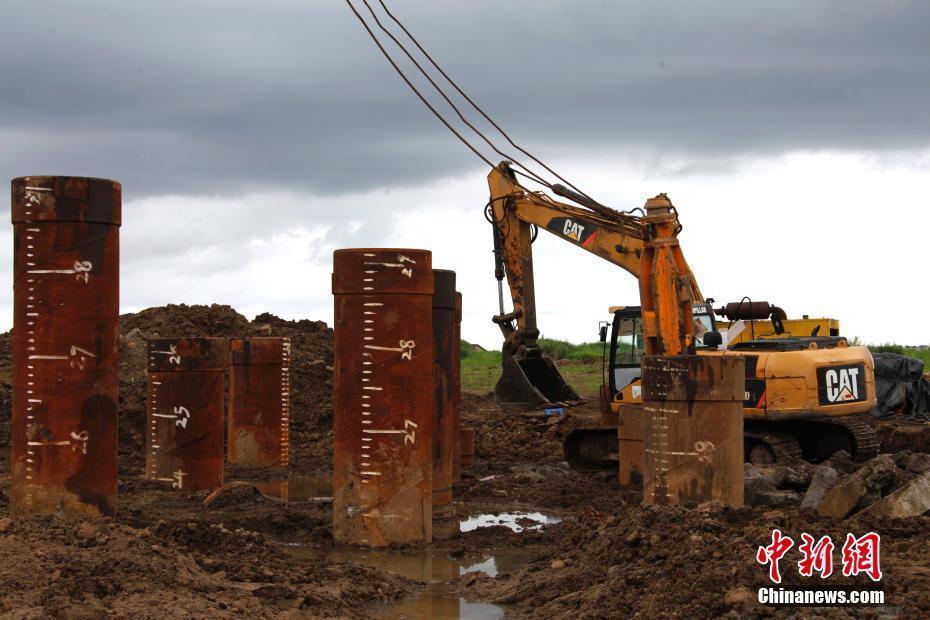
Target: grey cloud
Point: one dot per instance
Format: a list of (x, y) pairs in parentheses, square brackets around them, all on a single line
[(226, 97)]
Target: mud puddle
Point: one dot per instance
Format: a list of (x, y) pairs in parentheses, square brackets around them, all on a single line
[(516, 521), (437, 570)]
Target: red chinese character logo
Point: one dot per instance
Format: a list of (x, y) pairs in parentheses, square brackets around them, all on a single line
[(817, 557), (773, 553), (861, 555)]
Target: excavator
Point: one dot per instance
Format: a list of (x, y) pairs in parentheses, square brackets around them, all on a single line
[(800, 389)]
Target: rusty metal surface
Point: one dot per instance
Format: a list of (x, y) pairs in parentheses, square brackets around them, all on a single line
[(444, 430), (382, 396), (457, 390), (467, 437), (693, 429), (259, 402), (65, 345), (630, 439), (186, 388)]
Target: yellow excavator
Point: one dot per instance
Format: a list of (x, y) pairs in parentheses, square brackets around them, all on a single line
[(801, 389)]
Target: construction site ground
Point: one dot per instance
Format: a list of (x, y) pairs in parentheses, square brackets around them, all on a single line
[(532, 538)]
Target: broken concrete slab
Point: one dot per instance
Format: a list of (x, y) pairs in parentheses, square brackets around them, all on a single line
[(824, 478), (870, 478), (911, 500)]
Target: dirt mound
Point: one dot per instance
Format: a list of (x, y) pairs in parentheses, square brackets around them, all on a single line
[(311, 373), (311, 376), (181, 320)]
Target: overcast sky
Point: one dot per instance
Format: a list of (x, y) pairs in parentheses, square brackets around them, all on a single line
[(252, 139)]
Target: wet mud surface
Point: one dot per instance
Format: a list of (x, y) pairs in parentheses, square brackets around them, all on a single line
[(531, 539)]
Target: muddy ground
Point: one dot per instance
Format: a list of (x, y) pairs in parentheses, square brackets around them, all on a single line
[(247, 555)]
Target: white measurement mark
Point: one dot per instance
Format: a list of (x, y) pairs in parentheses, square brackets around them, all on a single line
[(176, 479), (409, 432), (183, 416), (172, 352), (373, 304), (81, 437), (81, 269), (406, 348), (372, 387)]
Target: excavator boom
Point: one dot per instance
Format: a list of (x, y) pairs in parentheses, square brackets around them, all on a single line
[(645, 246)]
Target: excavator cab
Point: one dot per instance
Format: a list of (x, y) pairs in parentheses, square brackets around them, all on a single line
[(626, 347)]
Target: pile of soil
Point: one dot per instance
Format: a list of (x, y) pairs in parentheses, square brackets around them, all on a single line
[(311, 376), (311, 373)]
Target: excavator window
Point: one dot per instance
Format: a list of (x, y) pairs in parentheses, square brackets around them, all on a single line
[(627, 344), (630, 341)]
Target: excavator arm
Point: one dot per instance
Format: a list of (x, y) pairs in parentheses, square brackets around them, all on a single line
[(645, 246)]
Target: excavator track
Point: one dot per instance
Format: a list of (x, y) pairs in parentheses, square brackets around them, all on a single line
[(781, 447), (865, 439)]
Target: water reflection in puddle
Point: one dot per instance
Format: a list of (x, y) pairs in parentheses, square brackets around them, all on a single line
[(437, 570), (516, 521)]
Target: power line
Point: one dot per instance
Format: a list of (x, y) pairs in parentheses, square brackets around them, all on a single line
[(443, 94), (475, 105), (414, 88)]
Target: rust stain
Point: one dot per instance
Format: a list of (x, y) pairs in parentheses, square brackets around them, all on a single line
[(65, 345), (186, 388), (383, 396)]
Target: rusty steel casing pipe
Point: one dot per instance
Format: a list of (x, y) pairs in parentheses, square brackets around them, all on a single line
[(445, 435), (65, 345), (630, 442), (383, 396), (186, 389), (259, 403), (457, 390), (468, 439), (693, 429)]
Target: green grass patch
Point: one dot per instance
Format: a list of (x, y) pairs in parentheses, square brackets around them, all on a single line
[(580, 365), (563, 350)]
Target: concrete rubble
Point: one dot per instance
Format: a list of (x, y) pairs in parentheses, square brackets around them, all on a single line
[(911, 500), (865, 483)]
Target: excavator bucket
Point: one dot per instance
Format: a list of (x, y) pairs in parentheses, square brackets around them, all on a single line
[(532, 381)]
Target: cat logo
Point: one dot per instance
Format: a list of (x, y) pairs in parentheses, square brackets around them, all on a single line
[(580, 232), (573, 230), (841, 384)]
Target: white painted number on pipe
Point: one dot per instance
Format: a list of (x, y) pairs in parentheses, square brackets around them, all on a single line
[(182, 416)]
